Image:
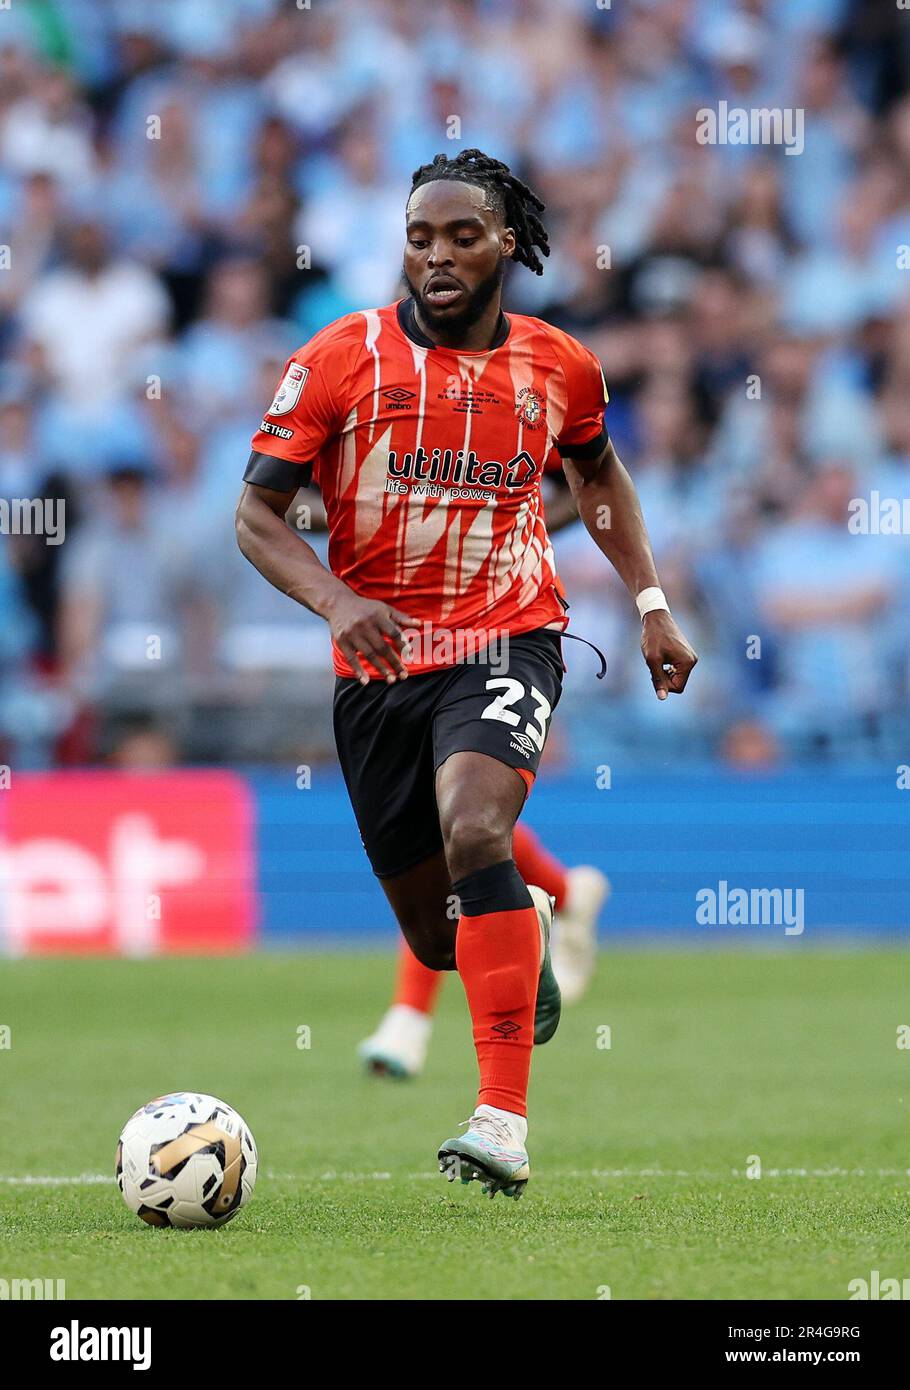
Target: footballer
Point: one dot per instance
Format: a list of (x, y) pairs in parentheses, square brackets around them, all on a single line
[(427, 425)]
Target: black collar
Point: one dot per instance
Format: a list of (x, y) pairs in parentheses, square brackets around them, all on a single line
[(407, 322)]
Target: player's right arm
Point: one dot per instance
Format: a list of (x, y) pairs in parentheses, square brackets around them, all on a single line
[(303, 416), (361, 627)]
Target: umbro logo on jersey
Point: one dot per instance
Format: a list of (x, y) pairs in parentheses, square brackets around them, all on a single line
[(397, 395)]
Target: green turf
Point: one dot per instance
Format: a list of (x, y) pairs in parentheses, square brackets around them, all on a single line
[(714, 1057)]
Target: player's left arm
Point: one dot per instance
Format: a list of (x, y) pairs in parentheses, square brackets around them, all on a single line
[(608, 504)]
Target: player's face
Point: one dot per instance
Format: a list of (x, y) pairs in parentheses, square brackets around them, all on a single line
[(455, 254)]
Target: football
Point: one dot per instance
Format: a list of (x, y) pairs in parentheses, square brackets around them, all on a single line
[(186, 1160)]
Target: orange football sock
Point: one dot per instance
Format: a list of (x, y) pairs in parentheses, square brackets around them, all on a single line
[(497, 952), (415, 984), (537, 865)]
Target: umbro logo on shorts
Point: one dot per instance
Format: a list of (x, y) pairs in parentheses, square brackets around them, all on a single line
[(522, 744)]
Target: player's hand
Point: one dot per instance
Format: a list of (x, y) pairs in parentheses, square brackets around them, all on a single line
[(369, 628), (667, 654)]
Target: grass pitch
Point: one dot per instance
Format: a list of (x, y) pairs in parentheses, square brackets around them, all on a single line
[(639, 1150)]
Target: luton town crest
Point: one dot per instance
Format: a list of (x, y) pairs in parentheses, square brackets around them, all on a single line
[(529, 406)]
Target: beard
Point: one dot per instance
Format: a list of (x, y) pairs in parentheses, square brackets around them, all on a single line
[(476, 301)]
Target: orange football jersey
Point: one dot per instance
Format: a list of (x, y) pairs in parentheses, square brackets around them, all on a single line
[(429, 461)]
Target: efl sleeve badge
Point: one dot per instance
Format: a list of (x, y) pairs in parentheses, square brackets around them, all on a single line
[(288, 393)]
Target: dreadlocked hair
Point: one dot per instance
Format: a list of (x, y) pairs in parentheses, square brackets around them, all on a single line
[(513, 201)]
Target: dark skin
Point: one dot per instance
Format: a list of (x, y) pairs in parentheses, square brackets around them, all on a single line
[(455, 240)]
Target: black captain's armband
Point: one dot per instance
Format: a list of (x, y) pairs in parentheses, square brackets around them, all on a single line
[(590, 450), (278, 474)]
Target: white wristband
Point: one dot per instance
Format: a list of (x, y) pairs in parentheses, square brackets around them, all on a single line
[(651, 599)]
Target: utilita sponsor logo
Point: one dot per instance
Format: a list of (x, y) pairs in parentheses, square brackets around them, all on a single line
[(464, 469), (76, 1343)]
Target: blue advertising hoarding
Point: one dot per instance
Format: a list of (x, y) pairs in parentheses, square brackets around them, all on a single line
[(819, 856)]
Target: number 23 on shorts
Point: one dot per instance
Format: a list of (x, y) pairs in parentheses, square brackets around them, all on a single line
[(512, 692)]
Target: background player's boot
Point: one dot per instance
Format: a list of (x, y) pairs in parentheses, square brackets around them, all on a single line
[(398, 1048), (549, 1001), (575, 930), (492, 1151)]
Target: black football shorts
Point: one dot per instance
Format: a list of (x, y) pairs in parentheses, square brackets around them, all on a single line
[(392, 738)]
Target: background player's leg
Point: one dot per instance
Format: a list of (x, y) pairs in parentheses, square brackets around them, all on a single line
[(537, 865), (416, 986), (422, 901), (579, 894), (398, 1047)]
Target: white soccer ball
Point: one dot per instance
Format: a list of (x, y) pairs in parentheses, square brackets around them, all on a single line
[(186, 1160)]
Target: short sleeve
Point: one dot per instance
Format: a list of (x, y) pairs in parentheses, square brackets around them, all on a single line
[(583, 434), (304, 414)]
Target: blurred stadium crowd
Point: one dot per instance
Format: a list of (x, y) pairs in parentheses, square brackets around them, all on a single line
[(164, 165)]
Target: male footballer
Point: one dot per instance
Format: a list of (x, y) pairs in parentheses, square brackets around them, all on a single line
[(427, 425)]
